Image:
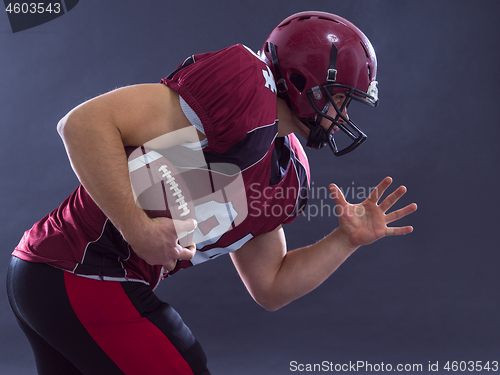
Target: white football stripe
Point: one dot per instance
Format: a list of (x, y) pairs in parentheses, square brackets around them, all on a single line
[(142, 160)]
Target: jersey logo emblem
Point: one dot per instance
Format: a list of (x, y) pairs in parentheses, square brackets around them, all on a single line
[(268, 76)]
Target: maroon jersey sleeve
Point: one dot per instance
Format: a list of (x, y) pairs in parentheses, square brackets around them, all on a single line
[(231, 93)]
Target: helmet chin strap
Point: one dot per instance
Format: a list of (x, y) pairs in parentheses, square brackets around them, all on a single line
[(280, 81), (318, 136)]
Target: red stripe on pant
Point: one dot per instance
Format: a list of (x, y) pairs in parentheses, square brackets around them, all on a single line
[(135, 344)]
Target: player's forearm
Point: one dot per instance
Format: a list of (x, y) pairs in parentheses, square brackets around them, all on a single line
[(97, 155), (303, 270)]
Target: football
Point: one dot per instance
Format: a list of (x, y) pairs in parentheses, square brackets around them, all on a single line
[(159, 188)]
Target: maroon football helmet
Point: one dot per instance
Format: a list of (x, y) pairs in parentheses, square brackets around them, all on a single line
[(313, 56)]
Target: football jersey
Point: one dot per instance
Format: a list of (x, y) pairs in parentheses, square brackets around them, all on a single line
[(258, 181)]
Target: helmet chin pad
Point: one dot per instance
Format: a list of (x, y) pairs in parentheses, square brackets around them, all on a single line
[(317, 134), (320, 137)]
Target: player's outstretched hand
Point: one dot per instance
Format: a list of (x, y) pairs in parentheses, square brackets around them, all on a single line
[(366, 222), (157, 243)]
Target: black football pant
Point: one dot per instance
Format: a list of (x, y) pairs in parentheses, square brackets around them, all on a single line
[(81, 326)]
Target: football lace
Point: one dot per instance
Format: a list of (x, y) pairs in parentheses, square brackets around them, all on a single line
[(169, 179)]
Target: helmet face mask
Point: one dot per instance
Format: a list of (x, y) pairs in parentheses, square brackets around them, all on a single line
[(319, 136), (313, 56)]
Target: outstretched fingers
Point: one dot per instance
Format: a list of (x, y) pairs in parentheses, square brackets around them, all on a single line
[(398, 231), (371, 204), (392, 198), (379, 190), (396, 215), (337, 195), (388, 202), (402, 212)]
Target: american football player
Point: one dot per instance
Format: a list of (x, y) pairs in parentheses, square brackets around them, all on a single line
[(81, 279)]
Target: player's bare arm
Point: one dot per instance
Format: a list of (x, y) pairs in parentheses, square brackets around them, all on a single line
[(275, 277), (95, 134)]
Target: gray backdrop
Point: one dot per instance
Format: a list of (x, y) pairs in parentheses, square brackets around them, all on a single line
[(426, 297)]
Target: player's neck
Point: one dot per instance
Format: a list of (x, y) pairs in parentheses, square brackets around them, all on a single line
[(288, 122)]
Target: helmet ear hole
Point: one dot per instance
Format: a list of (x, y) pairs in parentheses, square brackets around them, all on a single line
[(298, 81), (266, 49)]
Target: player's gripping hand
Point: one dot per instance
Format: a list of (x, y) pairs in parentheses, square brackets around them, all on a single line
[(157, 241), (366, 222)]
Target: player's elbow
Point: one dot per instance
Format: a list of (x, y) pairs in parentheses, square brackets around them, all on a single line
[(271, 308), (65, 124), (268, 302), (61, 126), (73, 124), (268, 296)]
